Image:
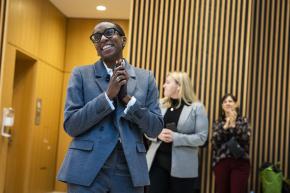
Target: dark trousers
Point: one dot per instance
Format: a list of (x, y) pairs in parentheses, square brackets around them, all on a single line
[(162, 182), (231, 175), (114, 177)]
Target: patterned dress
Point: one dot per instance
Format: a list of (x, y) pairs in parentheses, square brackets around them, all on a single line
[(220, 136)]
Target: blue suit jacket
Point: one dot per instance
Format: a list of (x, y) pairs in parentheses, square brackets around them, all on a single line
[(95, 127)]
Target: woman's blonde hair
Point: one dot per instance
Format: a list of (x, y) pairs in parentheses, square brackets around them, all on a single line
[(185, 93)]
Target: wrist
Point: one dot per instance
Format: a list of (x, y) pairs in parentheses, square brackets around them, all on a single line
[(109, 96), (126, 99)]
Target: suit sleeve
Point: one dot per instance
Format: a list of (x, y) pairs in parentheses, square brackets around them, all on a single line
[(78, 116), (148, 118), (201, 130)]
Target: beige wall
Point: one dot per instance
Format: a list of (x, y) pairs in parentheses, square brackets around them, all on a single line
[(37, 29), (79, 51)]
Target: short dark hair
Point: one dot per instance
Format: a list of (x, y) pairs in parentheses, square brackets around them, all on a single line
[(118, 27)]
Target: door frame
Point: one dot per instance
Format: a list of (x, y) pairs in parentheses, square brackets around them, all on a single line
[(3, 25), (6, 98), (7, 67)]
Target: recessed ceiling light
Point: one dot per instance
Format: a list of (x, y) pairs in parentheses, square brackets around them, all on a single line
[(101, 8)]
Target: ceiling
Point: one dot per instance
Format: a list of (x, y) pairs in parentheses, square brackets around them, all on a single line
[(116, 9)]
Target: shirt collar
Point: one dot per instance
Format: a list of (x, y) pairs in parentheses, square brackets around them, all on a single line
[(109, 70)]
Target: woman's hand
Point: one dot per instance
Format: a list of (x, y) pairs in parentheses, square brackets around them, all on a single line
[(231, 117), (166, 135)]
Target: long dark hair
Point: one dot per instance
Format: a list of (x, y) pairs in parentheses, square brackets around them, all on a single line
[(222, 116)]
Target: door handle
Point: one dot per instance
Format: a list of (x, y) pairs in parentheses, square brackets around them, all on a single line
[(7, 122)]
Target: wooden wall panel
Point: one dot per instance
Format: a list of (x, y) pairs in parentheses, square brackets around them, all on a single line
[(63, 138), (269, 81), (24, 23), (3, 24), (45, 135), (6, 83), (19, 159), (233, 46), (38, 30), (52, 40)]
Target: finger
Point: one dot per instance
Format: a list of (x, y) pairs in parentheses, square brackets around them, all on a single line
[(118, 62), (123, 73), (168, 131), (120, 78), (120, 72), (167, 136), (123, 82), (118, 68)]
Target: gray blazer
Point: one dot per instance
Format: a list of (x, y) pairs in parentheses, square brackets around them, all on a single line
[(96, 128), (192, 131)]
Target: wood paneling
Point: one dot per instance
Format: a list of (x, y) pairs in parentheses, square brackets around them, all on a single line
[(6, 83), (64, 138), (52, 40), (45, 135), (24, 23), (241, 47), (37, 29), (19, 159), (269, 82), (3, 22)]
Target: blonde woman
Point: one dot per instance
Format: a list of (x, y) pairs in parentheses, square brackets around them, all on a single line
[(173, 157)]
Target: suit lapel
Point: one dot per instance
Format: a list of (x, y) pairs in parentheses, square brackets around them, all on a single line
[(131, 85), (101, 75), (184, 115)]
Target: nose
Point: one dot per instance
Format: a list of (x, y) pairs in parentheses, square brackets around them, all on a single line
[(103, 38)]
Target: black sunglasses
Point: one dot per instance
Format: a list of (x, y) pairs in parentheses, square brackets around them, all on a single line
[(108, 33)]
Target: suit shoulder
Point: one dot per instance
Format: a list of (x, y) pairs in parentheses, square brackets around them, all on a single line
[(198, 105), (141, 71), (84, 67), (84, 71)]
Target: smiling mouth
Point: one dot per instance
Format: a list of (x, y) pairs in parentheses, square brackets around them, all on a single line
[(107, 47)]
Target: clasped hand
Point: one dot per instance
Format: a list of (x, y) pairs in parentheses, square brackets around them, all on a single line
[(119, 78), (231, 119), (166, 135)]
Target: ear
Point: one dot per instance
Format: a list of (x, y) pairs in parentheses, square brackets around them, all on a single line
[(124, 41)]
